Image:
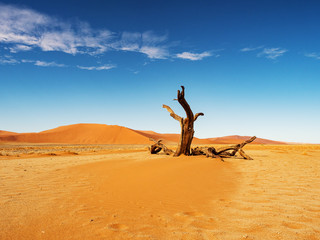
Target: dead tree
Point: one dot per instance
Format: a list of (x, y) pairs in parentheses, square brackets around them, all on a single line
[(186, 136), (187, 131)]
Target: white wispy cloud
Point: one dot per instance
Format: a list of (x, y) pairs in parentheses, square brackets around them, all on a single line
[(43, 63), (7, 59), (27, 61), (150, 38), (99, 68), (129, 41), (155, 52), (272, 53), (20, 25), (19, 48), (193, 56), (250, 49), (148, 43), (24, 29), (48, 64), (27, 29), (313, 55)]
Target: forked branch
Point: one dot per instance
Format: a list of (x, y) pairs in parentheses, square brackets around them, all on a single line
[(172, 114), (186, 124), (185, 104)]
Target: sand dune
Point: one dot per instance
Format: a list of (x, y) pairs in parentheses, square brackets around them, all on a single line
[(112, 134), (168, 138), (235, 139), (5, 133), (81, 134)]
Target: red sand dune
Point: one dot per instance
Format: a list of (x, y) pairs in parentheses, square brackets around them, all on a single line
[(111, 134), (5, 133), (235, 139), (168, 138), (81, 134)]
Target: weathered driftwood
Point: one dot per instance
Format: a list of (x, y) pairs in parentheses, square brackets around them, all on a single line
[(220, 153), (208, 151), (158, 146), (187, 131), (224, 152), (236, 148)]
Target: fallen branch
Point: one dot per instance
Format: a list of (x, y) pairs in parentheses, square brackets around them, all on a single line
[(220, 153), (158, 146), (236, 148), (224, 152)]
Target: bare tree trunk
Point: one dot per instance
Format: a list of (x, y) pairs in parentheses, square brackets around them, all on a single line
[(187, 125)]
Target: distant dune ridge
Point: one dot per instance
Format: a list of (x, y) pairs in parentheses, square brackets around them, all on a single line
[(112, 134), (5, 133)]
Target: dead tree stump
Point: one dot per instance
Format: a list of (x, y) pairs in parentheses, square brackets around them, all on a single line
[(187, 124)]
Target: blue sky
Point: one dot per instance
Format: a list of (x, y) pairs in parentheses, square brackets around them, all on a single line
[(252, 67)]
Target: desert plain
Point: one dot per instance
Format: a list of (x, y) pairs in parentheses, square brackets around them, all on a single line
[(121, 191)]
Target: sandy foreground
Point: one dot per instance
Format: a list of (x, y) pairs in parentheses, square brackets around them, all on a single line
[(126, 193)]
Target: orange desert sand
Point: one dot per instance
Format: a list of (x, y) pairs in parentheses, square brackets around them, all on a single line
[(82, 191)]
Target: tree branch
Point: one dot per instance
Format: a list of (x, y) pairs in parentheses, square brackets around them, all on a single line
[(248, 141), (244, 155), (172, 114), (185, 104), (158, 146), (197, 115)]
